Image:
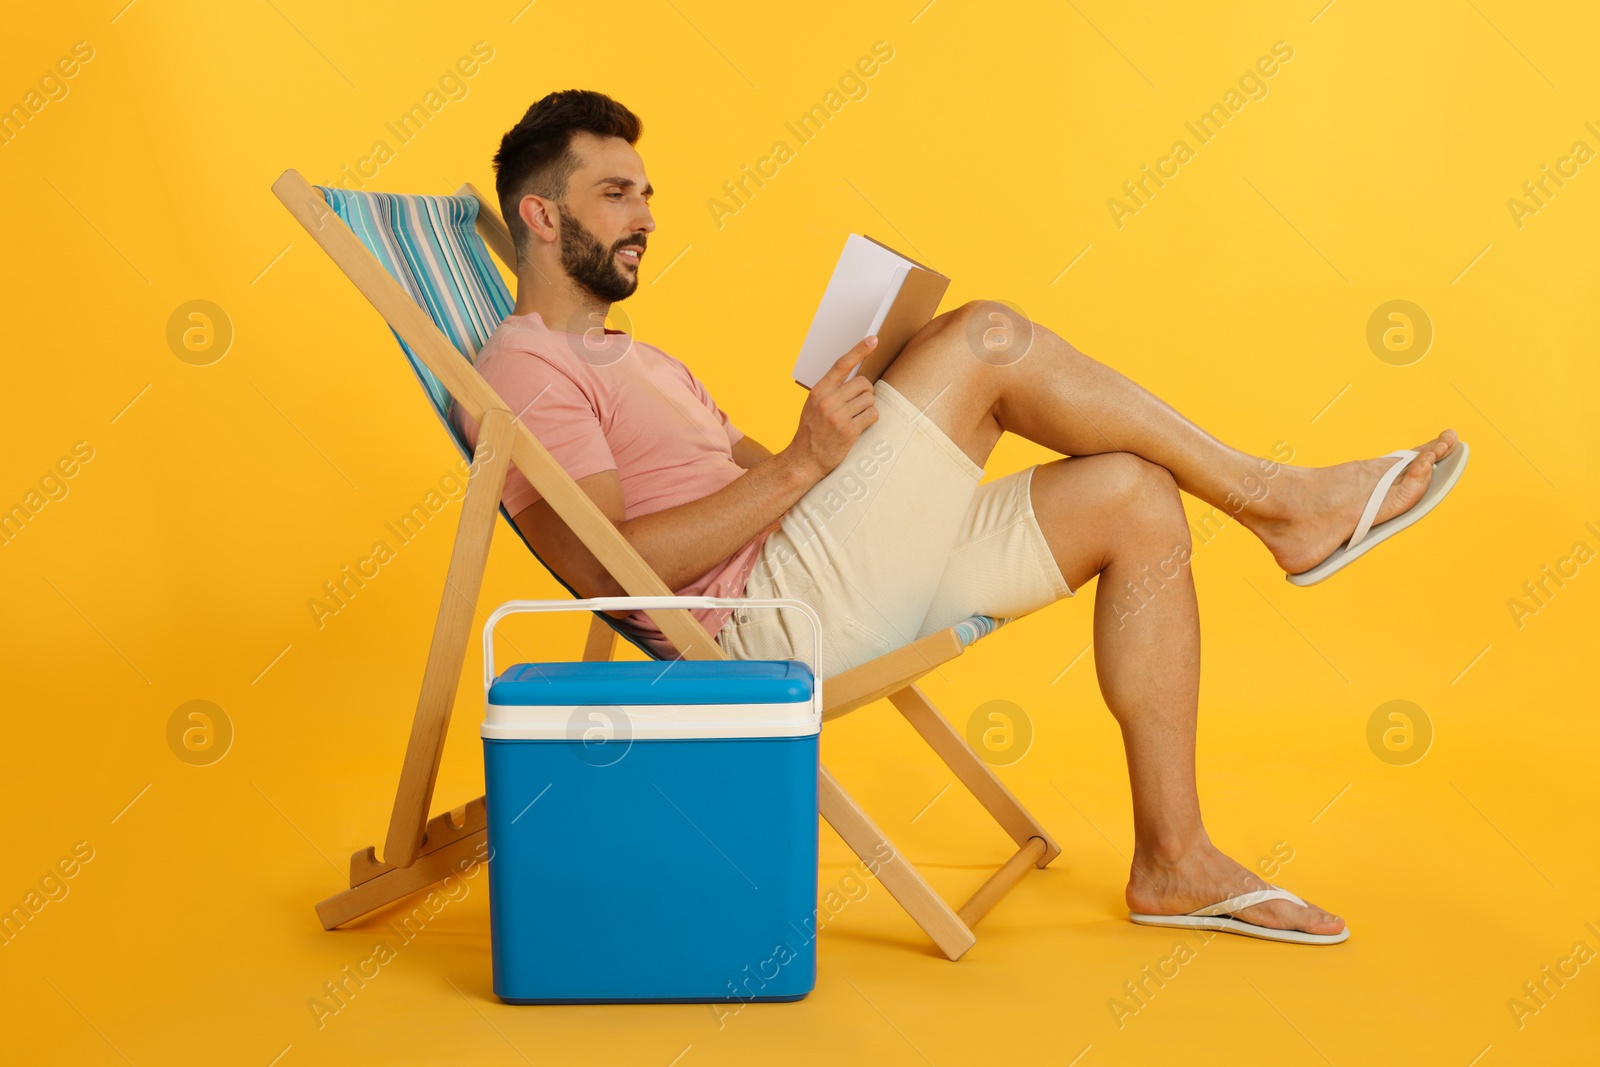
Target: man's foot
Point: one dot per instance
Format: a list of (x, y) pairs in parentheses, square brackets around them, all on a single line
[(1321, 505), (1204, 876)]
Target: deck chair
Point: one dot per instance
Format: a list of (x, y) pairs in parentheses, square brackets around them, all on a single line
[(422, 262)]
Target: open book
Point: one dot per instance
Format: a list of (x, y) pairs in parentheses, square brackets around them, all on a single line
[(874, 290)]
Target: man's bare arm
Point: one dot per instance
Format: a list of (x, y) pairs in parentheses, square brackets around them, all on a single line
[(747, 452), (681, 543)]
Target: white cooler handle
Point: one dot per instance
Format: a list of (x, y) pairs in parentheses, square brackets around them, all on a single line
[(634, 603)]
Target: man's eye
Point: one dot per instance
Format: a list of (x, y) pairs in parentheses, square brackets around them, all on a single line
[(613, 194)]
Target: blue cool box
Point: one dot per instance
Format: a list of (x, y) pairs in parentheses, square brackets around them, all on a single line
[(652, 831)]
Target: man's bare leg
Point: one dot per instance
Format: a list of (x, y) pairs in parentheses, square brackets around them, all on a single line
[(992, 370), (1120, 517), (1113, 511)]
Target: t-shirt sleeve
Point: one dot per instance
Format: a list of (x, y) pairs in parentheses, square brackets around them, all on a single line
[(563, 418), (704, 396)]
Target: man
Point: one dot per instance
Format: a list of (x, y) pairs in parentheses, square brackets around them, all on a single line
[(873, 513)]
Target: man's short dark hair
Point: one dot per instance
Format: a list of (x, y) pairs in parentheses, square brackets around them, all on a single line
[(536, 155)]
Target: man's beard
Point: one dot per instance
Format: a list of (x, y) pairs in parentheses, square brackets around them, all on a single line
[(591, 264)]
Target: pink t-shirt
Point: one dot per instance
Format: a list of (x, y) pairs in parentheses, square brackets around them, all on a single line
[(607, 401)]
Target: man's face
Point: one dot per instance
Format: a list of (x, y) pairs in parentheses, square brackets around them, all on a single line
[(605, 217)]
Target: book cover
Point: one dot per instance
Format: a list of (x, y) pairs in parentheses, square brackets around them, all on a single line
[(873, 290)]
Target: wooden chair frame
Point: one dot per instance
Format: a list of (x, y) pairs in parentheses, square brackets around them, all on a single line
[(420, 851)]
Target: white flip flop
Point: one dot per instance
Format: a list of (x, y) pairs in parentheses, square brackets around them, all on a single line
[(1215, 917), (1367, 536)]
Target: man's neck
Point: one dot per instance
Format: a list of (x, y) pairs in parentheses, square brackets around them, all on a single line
[(563, 306)]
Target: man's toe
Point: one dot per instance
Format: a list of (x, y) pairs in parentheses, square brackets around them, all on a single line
[(1408, 488), (1325, 924), (1440, 446), (1286, 915), (1317, 921)]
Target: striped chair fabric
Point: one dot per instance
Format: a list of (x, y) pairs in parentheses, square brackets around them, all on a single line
[(429, 244)]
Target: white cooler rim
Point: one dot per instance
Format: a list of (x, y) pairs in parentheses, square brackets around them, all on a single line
[(649, 722)]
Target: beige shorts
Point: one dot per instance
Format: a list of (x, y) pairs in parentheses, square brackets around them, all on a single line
[(897, 542)]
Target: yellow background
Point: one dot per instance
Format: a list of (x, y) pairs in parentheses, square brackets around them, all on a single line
[(179, 565)]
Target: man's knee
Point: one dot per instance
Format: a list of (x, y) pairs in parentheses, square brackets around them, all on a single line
[(1146, 492), (957, 316), (1155, 548), (981, 323), (941, 354), (942, 324), (968, 312), (990, 331)]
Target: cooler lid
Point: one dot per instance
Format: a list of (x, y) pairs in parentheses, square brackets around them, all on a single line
[(681, 682)]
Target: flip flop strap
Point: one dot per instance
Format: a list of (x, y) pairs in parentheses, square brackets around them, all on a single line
[(1245, 900), (1405, 455)]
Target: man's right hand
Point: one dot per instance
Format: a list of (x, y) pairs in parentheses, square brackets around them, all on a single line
[(834, 415)]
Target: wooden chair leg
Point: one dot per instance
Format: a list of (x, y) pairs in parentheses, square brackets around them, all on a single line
[(451, 633), (898, 876), (454, 841), (398, 882), (973, 772), (601, 643), (1000, 882)]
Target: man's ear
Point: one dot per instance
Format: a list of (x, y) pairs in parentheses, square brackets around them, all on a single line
[(540, 216)]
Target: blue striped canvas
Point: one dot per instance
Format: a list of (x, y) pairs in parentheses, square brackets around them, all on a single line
[(429, 244), (971, 630)]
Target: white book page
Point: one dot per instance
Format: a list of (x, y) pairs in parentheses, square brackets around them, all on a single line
[(860, 293)]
